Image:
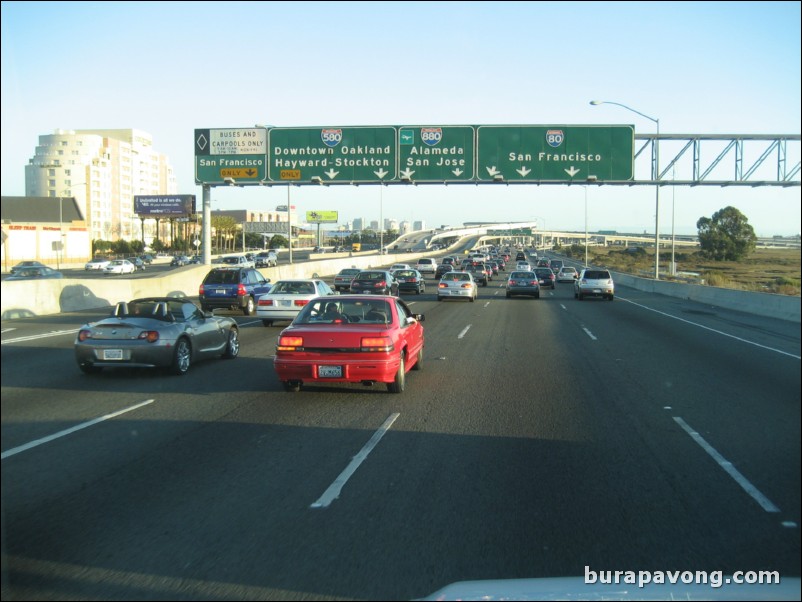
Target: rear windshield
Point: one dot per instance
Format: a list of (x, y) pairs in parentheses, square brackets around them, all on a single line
[(597, 275), (521, 275), (370, 276), (293, 288), (222, 277)]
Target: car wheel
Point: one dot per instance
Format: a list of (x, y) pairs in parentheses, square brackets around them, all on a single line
[(291, 386), (610, 297), (267, 322), (88, 368), (249, 307), (232, 347), (399, 383), (419, 362), (182, 357), (580, 296)]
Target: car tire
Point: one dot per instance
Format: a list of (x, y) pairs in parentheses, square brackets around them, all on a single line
[(250, 306), (610, 297), (182, 357), (232, 346), (537, 296), (580, 296), (399, 383), (419, 362), (267, 322), (291, 386)]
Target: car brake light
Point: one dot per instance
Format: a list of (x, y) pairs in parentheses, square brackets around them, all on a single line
[(290, 344), (151, 336), (84, 334), (377, 344), (466, 285), (301, 302), (381, 283), (264, 302), (442, 285), (241, 291), (200, 289)]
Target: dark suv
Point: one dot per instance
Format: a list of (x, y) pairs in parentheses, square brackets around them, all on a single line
[(233, 288)]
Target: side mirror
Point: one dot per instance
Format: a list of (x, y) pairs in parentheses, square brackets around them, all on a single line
[(419, 317)]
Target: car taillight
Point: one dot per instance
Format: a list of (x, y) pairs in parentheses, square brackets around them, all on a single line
[(290, 344), (442, 285), (300, 302), (151, 336), (533, 282), (84, 334), (380, 284), (200, 289), (241, 290), (264, 302), (377, 344), (466, 285)]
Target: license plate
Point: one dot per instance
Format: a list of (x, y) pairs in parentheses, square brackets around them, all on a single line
[(220, 291), (330, 371), (112, 354), (285, 303), (596, 290)]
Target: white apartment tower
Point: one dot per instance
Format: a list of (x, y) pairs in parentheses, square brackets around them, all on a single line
[(103, 170)]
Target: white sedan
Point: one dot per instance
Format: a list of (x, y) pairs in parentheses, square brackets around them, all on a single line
[(98, 263), (288, 297), (119, 266)]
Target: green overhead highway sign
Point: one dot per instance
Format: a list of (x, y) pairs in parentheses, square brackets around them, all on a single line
[(235, 155), (550, 153), (333, 155), (436, 153)]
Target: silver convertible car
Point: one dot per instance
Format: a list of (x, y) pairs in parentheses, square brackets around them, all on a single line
[(155, 332)]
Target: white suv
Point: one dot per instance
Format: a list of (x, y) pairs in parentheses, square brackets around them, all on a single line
[(426, 265), (594, 283)]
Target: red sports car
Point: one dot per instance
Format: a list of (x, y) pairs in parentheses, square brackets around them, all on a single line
[(351, 339)]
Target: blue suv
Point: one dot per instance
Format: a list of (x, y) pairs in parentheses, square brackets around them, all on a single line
[(233, 288)]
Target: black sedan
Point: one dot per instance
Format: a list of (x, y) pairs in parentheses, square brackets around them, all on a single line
[(375, 282), (410, 280), (169, 332)]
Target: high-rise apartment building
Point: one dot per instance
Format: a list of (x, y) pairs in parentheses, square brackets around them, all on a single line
[(103, 170)]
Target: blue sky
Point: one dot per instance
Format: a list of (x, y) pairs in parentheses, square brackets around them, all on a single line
[(169, 68)]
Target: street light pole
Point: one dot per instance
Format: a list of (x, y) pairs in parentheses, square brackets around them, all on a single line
[(656, 175), (381, 219), (586, 224)]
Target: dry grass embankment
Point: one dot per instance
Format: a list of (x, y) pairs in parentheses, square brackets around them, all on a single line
[(767, 270)]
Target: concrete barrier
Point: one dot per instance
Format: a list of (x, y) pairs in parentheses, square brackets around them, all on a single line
[(44, 297), (21, 298)]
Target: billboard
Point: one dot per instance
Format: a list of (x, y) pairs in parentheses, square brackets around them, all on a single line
[(321, 217), (164, 204)]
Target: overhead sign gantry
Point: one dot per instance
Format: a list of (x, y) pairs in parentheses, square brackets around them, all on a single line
[(413, 154)]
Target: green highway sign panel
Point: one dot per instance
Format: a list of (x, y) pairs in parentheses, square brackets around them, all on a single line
[(532, 153), (333, 155), (436, 153), (230, 155)]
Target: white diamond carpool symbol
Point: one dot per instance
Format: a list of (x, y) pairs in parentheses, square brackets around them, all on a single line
[(201, 142)]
